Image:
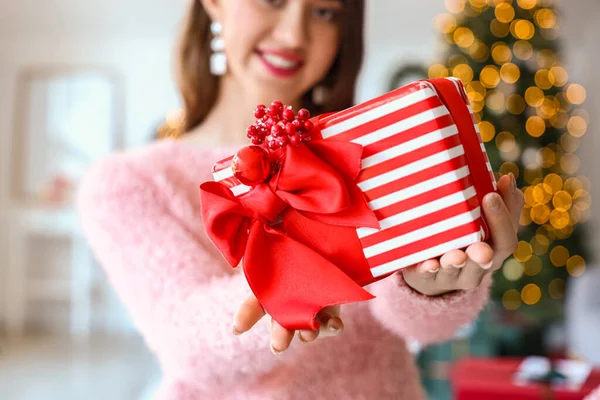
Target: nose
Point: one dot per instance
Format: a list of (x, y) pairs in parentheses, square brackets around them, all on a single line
[(291, 30)]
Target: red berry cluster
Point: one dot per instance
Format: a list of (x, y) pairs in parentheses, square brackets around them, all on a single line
[(278, 125)]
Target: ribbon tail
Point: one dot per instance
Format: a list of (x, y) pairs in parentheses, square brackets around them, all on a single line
[(291, 281)]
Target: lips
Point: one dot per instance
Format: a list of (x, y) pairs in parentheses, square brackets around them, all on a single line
[(280, 63)]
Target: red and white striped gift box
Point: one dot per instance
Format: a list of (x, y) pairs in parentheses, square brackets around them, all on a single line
[(415, 175)]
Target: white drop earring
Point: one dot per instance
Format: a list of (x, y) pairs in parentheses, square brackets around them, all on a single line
[(218, 59)]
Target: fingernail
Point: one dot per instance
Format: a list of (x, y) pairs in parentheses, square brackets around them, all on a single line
[(488, 265), (332, 328), (494, 202), (235, 331), (433, 271), (274, 351), (513, 183), (460, 265), (301, 339)]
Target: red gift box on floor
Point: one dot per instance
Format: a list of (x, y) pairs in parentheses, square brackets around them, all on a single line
[(494, 379), (422, 171)]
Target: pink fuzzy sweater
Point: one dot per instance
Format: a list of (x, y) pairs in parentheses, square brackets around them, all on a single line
[(141, 213)]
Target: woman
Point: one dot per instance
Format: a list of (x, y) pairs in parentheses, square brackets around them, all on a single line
[(141, 213)]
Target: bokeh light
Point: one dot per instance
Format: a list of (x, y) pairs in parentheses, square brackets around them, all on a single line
[(546, 58), (505, 142), (545, 18), (438, 71), (540, 244), (544, 79), (487, 130), (576, 266), (463, 37), (523, 50), (569, 143), (554, 182), (505, 12), (559, 120), (455, 6), (561, 76), (511, 299), (533, 174), (463, 72), (523, 252), (577, 126), (512, 270), (540, 214), (546, 157), (562, 201), (570, 163), (534, 96), (479, 51), (535, 126), (556, 288), (509, 168), (495, 100), (559, 219), (501, 53), (445, 23), (522, 29), (490, 76), (559, 256), (510, 73), (576, 93), (516, 104), (531, 294), (527, 4), (499, 29)]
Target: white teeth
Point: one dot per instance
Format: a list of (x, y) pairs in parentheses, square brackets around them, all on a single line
[(280, 62)]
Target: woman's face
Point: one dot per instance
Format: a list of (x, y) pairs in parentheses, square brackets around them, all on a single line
[(280, 49)]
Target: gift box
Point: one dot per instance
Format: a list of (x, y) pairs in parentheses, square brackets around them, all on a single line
[(414, 169), (512, 378)]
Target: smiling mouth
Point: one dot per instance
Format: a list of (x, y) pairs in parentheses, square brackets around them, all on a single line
[(280, 64)]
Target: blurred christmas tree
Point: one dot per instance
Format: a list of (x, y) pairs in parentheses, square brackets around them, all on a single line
[(507, 54)]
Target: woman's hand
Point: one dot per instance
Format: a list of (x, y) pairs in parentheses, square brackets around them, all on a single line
[(461, 270), (250, 312)]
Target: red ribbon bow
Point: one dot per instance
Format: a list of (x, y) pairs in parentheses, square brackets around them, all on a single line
[(297, 233)]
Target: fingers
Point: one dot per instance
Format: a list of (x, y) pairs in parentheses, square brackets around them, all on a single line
[(249, 313), (501, 226), (280, 338), (513, 198)]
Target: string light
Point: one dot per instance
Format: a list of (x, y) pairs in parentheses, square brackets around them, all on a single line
[(540, 214), (534, 96), (561, 76), (533, 266), (438, 71), (554, 182), (559, 120), (479, 51), (463, 72), (544, 79), (509, 167), (505, 141), (533, 174), (523, 251), (464, 37), (546, 58), (490, 76), (476, 91), (570, 163), (525, 217), (546, 157), (540, 244)]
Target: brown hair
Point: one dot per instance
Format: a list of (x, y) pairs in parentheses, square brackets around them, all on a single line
[(199, 88)]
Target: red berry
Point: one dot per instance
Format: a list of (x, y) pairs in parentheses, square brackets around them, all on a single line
[(251, 131), (290, 129), (273, 111), (282, 140), (308, 126), (288, 114), (303, 114), (260, 111), (273, 144), (299, 126), (263, 131), (277, 104), (276, 130), (295, 139), (251, 165), (257, 140)]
